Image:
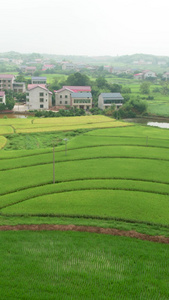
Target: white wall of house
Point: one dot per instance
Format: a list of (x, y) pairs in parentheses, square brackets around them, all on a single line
[(38, 99), (150, 74), (63, 98), (103, 105), (2, 98)]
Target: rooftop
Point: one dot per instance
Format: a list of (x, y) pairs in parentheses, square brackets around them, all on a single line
[(6, 76), (112, 96), (81, 95), (38, 78)]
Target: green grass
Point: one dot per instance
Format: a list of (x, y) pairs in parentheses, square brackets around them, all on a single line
[(72, 265)]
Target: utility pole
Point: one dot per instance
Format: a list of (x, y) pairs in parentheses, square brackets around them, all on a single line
[(53, 164)]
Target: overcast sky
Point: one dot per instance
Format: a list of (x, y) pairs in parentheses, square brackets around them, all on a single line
[(85, 27)]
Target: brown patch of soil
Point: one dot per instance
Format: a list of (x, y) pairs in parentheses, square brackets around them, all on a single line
[(111, 231)]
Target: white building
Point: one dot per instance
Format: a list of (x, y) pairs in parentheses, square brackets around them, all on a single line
[(38, 97), (2, 97), (106, 100)]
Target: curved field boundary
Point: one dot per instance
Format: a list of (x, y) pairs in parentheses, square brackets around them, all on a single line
[(83, 159), (83, 179), (79, 148), (83, 189), (91, 229)]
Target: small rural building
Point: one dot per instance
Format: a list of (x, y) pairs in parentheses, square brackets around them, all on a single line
[(30, 70), (38, 97), (149, 74), (106, 100), (38, 80), (19, 87), (6, 82), (81, 100), (2, 97), (63, 97), (166, 75)]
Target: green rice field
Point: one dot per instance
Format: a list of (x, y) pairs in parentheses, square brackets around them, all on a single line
[(74, 265), (110, 177)]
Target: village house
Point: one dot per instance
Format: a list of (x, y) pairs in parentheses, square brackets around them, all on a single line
[(106, 100), (2, 97), (19, 87), (6, 82), (68, 66), (38, 97), (63, 97), (166, 75), (38, 80), (30, 70), (145, 75), (81, 100)]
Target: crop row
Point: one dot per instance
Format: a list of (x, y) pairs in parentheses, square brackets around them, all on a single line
[(132, 205), (136, 169), (114, 184), (108, 151)]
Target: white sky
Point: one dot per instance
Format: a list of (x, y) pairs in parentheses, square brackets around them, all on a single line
[(85, 27)]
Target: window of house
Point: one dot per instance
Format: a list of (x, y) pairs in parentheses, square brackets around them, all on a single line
[(0, 99), (60, 102), (60, 96), (65, 96), (41, 94), (41, 105), (65, 102), (41, 100)]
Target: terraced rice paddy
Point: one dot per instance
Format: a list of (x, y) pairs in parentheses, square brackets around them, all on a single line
[(56, 124), (112, 177), (105, 174)]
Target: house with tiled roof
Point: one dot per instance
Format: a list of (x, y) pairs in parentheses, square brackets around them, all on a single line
[(6, 82), (63, 97), (38, 97), (2, 97), (38, 80), (106, 100), (30, 70)]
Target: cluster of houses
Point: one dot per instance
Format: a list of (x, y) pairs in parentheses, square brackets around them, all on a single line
[(38, 96)]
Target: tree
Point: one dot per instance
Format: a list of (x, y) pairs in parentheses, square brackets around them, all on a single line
[(78, 79), (101, 82), (145, 88)]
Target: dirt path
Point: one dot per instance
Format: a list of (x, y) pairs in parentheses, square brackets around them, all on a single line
[(111, 231)]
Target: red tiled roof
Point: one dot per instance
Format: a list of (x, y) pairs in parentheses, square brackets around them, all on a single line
[(76, 89), (33, 86), (6, 76)]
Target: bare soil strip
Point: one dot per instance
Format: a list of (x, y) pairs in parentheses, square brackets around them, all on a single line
[(111, 231)]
